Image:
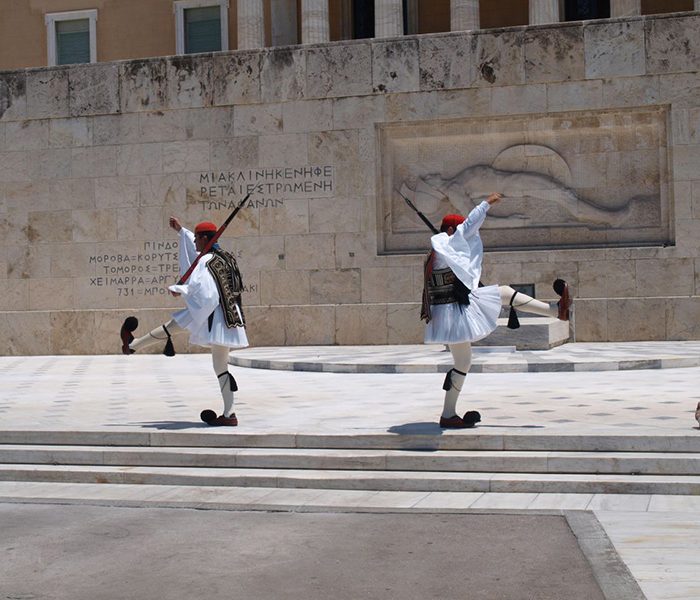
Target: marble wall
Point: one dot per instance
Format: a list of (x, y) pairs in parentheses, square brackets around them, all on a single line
[(95, 158)]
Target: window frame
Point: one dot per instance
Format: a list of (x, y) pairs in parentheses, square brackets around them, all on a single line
[(179, 8), (50, 19)]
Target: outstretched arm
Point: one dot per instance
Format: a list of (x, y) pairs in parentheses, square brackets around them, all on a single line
[(476, 217)]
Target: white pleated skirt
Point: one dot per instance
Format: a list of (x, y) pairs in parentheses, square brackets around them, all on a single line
[(220, 334), (454, 323)]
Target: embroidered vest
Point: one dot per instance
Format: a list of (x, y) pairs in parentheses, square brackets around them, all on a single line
[(441, 286), (224, 269)]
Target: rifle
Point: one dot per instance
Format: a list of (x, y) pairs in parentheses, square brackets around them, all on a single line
[(419, 213), (212, 241)]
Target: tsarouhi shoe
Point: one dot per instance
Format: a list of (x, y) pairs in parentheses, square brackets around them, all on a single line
[(128, 327), (562, 289), (455, 422), (231, 421)]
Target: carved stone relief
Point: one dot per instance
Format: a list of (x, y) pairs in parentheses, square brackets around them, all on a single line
[(572, 180)]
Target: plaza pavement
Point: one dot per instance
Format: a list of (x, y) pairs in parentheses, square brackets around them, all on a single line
[(655, 535)]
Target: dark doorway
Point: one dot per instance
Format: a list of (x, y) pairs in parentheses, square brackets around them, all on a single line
[(582, 10), (362, 19)]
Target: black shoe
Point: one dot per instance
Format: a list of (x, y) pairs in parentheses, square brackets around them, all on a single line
[(130, 324), (471, 418)]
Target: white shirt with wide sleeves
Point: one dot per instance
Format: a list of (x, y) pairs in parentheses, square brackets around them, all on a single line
[(463, 252), (202, 299)]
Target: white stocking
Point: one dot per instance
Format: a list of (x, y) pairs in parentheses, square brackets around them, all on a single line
[(157, 336), (462, 356), (219, 356), (525, 303)]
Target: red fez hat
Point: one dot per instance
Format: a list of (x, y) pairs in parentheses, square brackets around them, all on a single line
[(451, 221), (205, 227)]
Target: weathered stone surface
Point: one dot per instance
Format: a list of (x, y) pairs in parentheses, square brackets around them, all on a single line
[(266, 325), (257, 119), (14, 295), (110, 130), (25, 333), (518, 99), (54, 293), (51, 163), (139, 159), (335, 286), (236, 78), (94, 225), (234, 153), (445, 62), (387, 284), (607, 279), (339, 70), (13, 96), (498, 58), (672, 45), (658, 277), (50, 226), (310, 251), (93, 89), (284, 287), (683, 319), (68, 133), (14, 166), (186, 157), (395, 66), (143, 85), (283, 74), (275, 150), (310, 325), (574, 95), (361, 324), (631, 91), (411, 107), (555, 56), (614, 49), (27, 135), (403, 324), (47, 94), (632, 319), (334, 215), (309, 115), (348, 112), (174, 125), (71, 332), (94, 161)]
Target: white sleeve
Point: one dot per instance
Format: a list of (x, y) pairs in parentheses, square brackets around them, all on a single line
[(474, 221), (188, 252), (200, 292)]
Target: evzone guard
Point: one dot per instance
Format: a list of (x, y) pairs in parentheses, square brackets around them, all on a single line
[(211, 286), (458, 310)]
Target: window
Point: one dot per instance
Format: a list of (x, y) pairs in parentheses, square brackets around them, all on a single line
[(583, 10), (71, 37), (201, 26)]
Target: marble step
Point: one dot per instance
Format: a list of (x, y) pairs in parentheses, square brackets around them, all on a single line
[(358, 480), (534, 333), (633, 463), (474, 439)]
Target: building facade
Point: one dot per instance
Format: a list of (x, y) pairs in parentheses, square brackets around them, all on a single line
[(590, 128)]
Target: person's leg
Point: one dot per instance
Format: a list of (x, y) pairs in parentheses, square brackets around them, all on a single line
[(524, 303), (462, 357), (157, 336), (227, 384)]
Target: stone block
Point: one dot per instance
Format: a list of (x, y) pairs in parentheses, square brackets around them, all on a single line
[(139, 159), (614, 49), (416, 106), (27, 262), (686, 162), (70, 133), (95, 161), (445, 62), (307, 115), (556, 54), (631, 91), (310, 325), (251, 284), (590, 320), (288, 220), (55, 293), (283, 74), (72, 260), (339, 70), (395, 66), (574, 95), (283, 149), (47, 93), (265, 325), (28, 196), (544, 274), (184, 157), (507, 100), (72, 332), (672, 45), (681, 90), (339, 149), (72, 194), (334, 215), (116, 192), (14, 294), (464, 103), (24, 333), (175, 125), (49, 226), (361, 324), (13, 96), (403, 324), (534, 333), (235, 153), (634, 319), (93, 89), (259, 253), (143, 85), (221, 121), (115, 130), (284, 287), (189, 82), (335, 286), (357, 250), (94, 225), (27, 135), (236, 78), (366, 110), (683, 318), (51, 164), (606, 279), (140, 224), (670, 277), (391, 284), (498, 58), (256, 119), (309, 251)]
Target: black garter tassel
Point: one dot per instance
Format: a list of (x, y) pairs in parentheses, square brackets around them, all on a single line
[(169, 349), (447, 385), (513, 321)]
